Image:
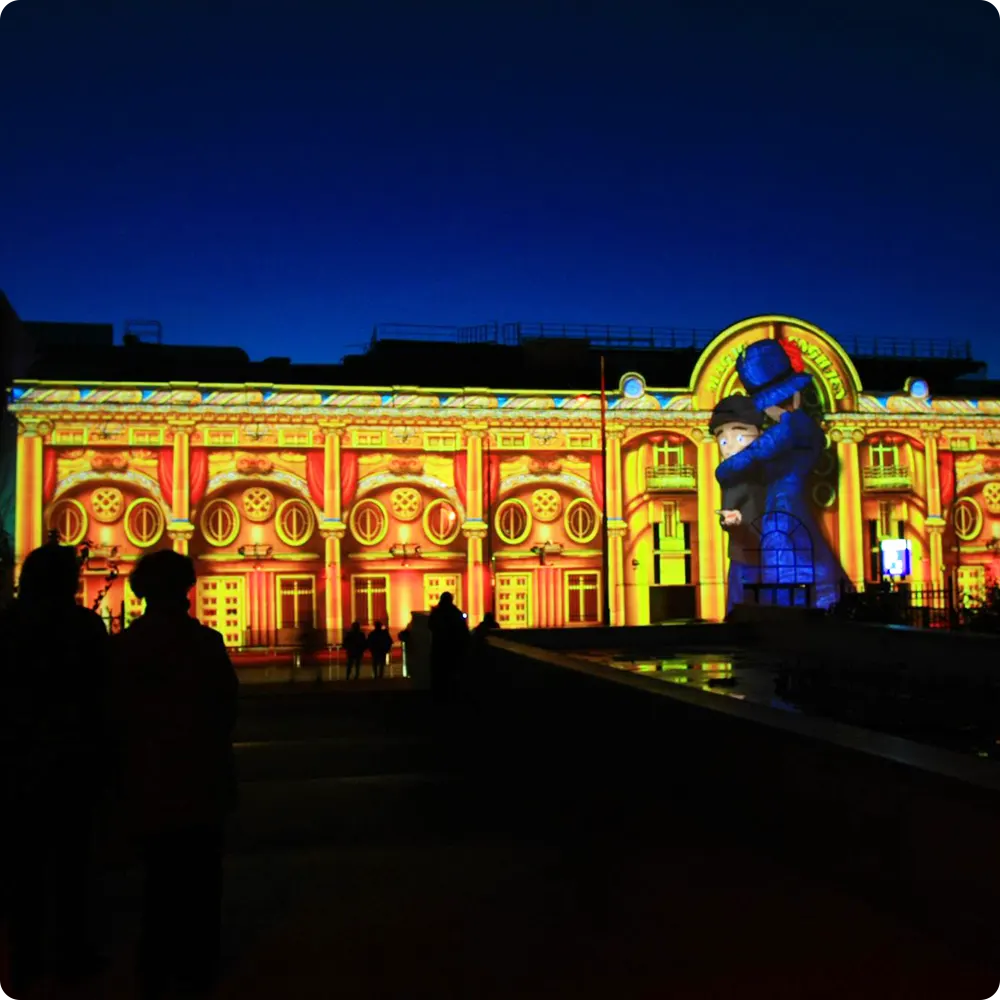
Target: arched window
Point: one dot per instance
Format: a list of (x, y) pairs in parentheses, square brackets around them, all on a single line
[(441, 523), (582, 521), (144, 523), (295, 522), (220, 522), (69, 520), (513, 522), (369, 522)]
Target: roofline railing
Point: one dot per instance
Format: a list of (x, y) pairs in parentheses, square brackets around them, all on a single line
[(653, 338)]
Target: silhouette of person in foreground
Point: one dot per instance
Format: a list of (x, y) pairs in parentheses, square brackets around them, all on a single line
[(173, 702), (53, 771), (380, 645), (449, 644), (486, 626), (355, 644)]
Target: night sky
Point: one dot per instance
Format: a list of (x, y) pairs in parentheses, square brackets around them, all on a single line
[(285, 177)]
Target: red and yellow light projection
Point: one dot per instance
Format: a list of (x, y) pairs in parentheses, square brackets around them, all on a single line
[(321, 505)]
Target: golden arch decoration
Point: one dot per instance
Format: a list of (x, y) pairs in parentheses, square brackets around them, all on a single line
[(834, 374)]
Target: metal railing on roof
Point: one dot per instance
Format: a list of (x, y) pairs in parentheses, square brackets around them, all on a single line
[(652, 338), (904, 347)]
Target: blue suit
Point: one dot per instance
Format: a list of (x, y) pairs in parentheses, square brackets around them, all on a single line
[(793, 549)]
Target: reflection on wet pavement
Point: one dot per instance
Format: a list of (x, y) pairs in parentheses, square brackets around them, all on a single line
[(939, 712)]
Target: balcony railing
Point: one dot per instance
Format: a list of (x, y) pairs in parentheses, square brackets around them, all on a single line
[(888, 477), (670, 477)]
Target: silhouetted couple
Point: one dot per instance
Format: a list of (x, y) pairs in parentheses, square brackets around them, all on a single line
[(449, 646), (378, 642), (151, 711)]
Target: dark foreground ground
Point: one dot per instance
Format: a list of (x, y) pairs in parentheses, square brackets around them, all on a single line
[(385, 849)]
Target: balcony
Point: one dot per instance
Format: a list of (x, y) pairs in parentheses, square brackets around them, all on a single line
[(670, 478), (887, 478)]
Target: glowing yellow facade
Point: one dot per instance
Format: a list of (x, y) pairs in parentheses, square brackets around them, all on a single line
[(321, 504)]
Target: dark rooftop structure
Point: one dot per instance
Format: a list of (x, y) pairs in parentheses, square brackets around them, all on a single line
[(542, 356)]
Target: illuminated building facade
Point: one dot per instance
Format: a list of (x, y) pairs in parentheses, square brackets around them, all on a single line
[(327, 502)]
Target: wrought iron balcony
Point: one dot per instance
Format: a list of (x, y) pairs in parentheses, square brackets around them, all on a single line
[(660, 478), (887, 477)]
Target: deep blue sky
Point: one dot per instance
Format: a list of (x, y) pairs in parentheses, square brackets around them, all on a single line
[(284, 177)]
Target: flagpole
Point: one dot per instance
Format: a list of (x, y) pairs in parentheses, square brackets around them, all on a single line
[(605, 590)]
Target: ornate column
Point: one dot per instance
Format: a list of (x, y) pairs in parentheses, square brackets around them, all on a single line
[(850, 523), (935, 517), (617, 528), (711, 538), (29, 530), (332, 529), (180, 529), (474, 528)]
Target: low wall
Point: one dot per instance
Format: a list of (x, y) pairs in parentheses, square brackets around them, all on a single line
[(914, 828)]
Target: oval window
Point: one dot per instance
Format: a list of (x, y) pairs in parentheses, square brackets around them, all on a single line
[(295, 522), (967, 517), (144, 523), (220, 522), (369, 522), (441, 522), (68, 520), (513, 522), (582, 521)]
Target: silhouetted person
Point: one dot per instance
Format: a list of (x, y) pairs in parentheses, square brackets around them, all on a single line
[(53, 769), (486, 626), (355, 644), (310, 644), (449, 642), (380, 645), (173, 698)]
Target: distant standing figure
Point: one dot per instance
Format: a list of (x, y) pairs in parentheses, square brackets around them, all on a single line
[(173, 699), (355, 644), (449, 644), (380, 644), (53, 768), (486, 626)]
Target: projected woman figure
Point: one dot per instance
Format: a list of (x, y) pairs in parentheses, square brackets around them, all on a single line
[(773, 375)]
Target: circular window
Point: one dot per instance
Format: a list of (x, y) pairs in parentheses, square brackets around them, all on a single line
[(513, 522), (107, 503), (824, 494), (68, 520), (144, 523), (369, 522), (406, 503), (546, 504), (258, 504), (441, 523), (582, 521), (295, 522), (967, 517), (633, 387), (220, 522)]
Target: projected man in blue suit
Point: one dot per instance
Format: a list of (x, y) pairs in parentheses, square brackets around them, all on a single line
[(793, 549)]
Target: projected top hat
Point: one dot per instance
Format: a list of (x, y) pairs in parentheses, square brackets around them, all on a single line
[(771, 372)]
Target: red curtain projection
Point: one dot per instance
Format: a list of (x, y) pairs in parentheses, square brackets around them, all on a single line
[(197, 474), (49, 458), (316, 477), (491, 478), (946, 473), (461, 476), (597, 479)]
